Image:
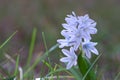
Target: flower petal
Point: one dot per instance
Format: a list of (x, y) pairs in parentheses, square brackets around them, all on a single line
[(92, 30), (64, 59), (88, 54), (94, 50), (62, 43), (72, 53), (70, 64), (66, 52)]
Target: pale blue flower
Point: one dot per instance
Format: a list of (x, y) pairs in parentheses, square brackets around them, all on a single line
[(70, 59), (65, 42), (76, 30), (85, 20), (87, 25), (71, 19), (77, 33), (82, 28), (89, 47)]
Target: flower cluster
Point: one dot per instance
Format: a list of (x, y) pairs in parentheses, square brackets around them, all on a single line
[(77, 32)]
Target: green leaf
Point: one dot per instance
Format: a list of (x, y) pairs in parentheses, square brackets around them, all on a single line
[(91, 67), (84, 65)]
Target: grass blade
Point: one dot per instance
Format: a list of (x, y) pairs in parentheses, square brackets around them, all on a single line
[(45, 44), (43, 36), (16, 68), (56, 71), (1, 46), (39, 59), (31, 45), (76, 74), (117, 77)]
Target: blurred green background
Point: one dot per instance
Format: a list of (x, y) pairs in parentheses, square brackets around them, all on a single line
[(47, 16)]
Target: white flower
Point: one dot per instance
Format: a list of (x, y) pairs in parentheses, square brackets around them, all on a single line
[(89, 47), (70, 59)]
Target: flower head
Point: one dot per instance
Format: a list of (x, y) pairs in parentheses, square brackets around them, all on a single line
[(70, 59), (76, 29), (89, 47), (77, 32)]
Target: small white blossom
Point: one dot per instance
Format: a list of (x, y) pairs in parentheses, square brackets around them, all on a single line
[(89, 47), (70, 59)]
